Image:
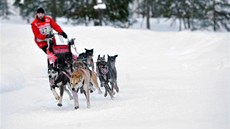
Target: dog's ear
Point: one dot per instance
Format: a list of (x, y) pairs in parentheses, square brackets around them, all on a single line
[(116, 56), (85, 49), (51, 66), (91, 51), (98, 56)]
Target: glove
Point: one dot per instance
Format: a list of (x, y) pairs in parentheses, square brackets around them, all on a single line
[(48, 36), (64, 35), (71, 42)]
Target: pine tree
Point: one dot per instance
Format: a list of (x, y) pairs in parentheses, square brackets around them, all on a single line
[(198, 14), (4, 9), (148, 9), (181, 10), (81, 11), (218, 14), (117, 11), (28, 7), (212, 15)]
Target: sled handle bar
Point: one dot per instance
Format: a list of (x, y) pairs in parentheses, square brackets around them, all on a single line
[(70, 41)]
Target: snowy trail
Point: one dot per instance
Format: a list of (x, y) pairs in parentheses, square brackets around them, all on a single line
[(168, 80)]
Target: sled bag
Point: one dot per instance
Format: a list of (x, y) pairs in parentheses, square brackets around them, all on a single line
[(61, 49)]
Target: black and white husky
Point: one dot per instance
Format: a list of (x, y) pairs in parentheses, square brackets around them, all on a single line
[(59, 79)]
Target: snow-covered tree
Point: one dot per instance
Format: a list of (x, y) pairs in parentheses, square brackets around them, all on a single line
[(117, 11), (148, 9), (4, 9), (28, 7), (216, 15)]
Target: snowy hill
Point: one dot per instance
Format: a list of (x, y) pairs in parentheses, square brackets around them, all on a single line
[(167, 80)]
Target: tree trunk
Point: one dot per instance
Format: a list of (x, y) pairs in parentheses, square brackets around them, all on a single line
[(185, 23), (54, 9), (214, 16), (189, 24), (148, 18)]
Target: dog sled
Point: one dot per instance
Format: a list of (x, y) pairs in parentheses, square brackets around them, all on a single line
[(61, 54), (70, 72)]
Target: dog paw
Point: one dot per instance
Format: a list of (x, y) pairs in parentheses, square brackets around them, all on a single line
[(71, 98), (117, 89), (76, 107), (112, 97), (59, 104), (57, 97), (105, 94), (99, 92)]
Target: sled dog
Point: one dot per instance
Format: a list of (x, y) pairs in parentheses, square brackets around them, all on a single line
[(111, 60), (85, 60), (103, 74), (80, 78), (58, 78)]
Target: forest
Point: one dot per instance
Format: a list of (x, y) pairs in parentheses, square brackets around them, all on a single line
[(213, 15)]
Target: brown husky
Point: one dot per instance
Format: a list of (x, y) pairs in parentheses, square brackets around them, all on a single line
[(81, 78)]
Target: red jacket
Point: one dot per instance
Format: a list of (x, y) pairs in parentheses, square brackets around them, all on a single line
[(43, 27)]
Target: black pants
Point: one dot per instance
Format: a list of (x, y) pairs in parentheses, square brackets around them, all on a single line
[(44, 49), (50, 49)]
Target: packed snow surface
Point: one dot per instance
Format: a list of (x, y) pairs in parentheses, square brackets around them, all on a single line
[(167, 80)]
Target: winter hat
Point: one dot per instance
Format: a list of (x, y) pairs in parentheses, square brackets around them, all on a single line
[(40, 10)]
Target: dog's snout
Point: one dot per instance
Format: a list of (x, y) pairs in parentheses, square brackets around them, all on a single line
[(49, 76), (73, 89)]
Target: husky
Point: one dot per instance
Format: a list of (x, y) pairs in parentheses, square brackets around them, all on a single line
[(93, 82), (60, 79), (103, 74), (85, 60), (80, 78), (111, 60)]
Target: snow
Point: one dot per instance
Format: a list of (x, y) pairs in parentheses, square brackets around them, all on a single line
[(167, 80)]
